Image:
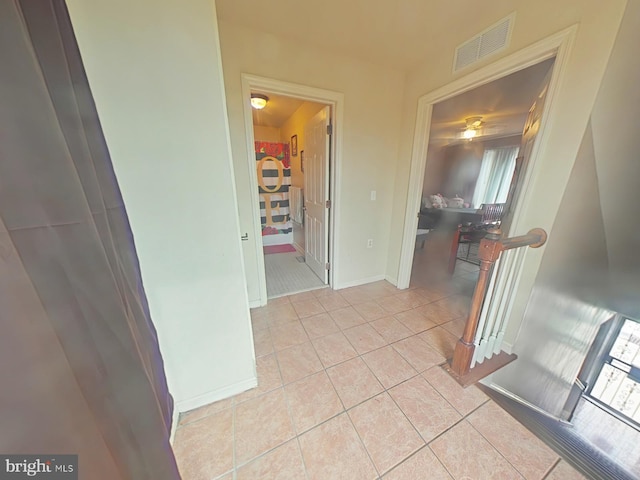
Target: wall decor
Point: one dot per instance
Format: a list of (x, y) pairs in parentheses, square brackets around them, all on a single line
[(302, 161), (294, 146)]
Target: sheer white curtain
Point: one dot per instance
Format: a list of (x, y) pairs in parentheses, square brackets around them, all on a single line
[(494, 179)]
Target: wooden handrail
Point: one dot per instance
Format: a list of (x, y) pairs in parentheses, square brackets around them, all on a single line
[(491, 246)]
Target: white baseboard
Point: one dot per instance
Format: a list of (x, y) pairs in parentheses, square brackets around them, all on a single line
[(392, 281), (507, 347), (215, 395), (362, 281), (254, 303), (175, 418)]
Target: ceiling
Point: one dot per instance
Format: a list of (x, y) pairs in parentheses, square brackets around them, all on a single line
[(503, 105), (278, 110), (399, 33)]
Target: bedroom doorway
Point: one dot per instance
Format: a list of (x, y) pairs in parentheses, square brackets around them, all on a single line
[(293, 159), (476, 142), (291, 182), (555, 46)]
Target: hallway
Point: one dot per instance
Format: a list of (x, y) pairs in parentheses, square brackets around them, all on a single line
[(350, 386)]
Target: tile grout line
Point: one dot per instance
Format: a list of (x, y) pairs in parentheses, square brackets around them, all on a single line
[(360, 356), (378, 474), (235, 471), (497, 450), (501, 454), (553, 467), (324, 368), (463, 418)]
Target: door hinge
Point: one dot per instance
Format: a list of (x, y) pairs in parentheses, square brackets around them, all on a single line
[(327, 266), (329, 129), (328, 204)]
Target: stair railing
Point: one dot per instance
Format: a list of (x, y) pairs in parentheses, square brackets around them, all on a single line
[(491, 311)]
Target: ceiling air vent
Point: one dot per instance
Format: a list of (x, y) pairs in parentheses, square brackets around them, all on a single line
[(492, 40)]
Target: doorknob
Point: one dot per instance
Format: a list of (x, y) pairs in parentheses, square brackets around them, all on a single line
[(244, 237)]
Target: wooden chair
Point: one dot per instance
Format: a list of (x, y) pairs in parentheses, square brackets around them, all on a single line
[(472, 234), (491, 213)]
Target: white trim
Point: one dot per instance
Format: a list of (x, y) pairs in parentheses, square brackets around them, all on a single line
[(298, 248), (392, 281), (336, 101), (557, 45), (215, 395), (175, 419), (255, 304), (361, 281)]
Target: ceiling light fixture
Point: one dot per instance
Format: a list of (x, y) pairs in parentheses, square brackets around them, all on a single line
[(469, 133), (473, 125), (259, 101)]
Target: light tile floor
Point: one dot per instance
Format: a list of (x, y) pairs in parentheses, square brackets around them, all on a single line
[(351, 387)]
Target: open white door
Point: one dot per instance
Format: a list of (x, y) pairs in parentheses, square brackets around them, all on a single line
[(529, 134), (316, 189)]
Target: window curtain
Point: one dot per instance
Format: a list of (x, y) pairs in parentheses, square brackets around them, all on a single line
[(496, 172), (80, 366)]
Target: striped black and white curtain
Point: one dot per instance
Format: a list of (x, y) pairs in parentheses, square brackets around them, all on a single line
[(274, 180)]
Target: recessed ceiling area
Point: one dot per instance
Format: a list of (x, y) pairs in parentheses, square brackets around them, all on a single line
[(278, 110), (503, 105)]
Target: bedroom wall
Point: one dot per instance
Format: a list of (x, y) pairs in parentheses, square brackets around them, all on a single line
[(266, 134), (370, 143), (295, 126)]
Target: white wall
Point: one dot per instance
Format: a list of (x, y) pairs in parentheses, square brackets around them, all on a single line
[(598, 23), (372, 110), (154, 69), (616, 146), (266, 134), (295, 125)]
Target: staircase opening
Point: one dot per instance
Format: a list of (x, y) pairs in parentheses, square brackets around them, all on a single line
[(611, 376)]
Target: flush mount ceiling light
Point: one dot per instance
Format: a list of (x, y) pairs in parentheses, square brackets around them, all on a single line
[(473, 125), (259, 101)]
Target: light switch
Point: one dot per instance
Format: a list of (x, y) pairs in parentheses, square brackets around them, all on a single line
[(373, 195)]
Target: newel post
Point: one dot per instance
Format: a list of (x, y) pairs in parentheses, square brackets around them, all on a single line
[(489, 251)]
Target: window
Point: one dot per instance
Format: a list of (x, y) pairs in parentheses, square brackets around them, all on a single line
[(617, 384), (496, 172)]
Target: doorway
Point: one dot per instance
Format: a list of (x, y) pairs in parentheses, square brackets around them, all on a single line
[(294, 148), (474, 148), (284, 129), (555, 46)]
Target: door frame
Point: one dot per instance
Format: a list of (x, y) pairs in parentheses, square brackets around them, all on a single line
[(303, 92), (558, 46)]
